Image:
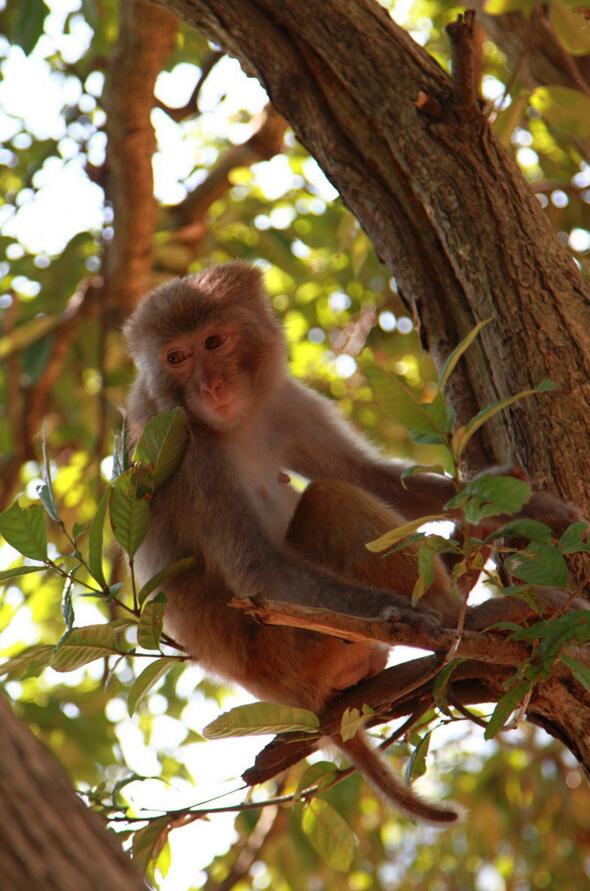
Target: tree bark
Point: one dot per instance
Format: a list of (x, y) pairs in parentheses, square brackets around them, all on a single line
[(445, 205), (49, 839)]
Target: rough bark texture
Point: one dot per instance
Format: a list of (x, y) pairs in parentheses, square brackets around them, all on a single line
[(445, 205), (49, 840), (146, 37)]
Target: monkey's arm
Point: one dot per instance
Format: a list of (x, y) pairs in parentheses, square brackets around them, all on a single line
[(321, 444), (213, 512)]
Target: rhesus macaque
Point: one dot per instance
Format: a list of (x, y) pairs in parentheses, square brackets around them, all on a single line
[(211, 344)]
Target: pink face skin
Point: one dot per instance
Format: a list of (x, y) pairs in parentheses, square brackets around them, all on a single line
[(205, 363)]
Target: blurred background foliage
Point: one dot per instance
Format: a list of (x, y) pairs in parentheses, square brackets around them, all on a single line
[(232, 182)]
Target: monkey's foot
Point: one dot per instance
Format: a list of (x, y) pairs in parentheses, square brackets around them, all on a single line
[(426, 620)]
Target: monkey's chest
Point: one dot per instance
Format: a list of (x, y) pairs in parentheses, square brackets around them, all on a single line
[(269, 489)]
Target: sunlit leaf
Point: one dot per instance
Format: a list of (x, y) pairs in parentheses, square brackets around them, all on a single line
[(24, 529), (401, 404), (130, 519), (452, 360), (13, 573), (149, 842), (352, 720), (146, 680), (261, 717), (31, 661), (329, 834), (416, 766), (45, 492), (504, 708), (84, 645), (571, 27), (95, 539), (319, 774), (162, 443), (169, 572), (394, 535), (150, 624), (566, 109)]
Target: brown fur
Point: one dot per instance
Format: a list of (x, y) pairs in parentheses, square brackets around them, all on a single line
[(249, 422)]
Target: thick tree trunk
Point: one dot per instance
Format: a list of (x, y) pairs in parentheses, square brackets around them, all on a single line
[(445, 205), (49, 841)]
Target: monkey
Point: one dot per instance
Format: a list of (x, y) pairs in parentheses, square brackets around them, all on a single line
[(211, 344)]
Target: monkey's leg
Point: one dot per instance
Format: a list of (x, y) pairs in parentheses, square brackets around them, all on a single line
[(331, 526), (333, 522)]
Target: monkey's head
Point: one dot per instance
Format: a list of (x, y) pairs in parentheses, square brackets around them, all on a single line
[(209, 343)]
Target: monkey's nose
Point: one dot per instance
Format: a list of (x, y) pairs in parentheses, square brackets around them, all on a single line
[(212, 388)]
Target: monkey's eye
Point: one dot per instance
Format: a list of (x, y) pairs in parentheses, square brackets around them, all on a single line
[(176, 357), (214, 341)]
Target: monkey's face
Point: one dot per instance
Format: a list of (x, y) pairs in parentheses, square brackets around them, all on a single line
[(211, 368), (210, 343)]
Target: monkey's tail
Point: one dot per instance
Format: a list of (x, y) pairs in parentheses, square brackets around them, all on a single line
[(398, 794)]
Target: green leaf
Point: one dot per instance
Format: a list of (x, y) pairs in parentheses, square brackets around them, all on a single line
[(146, 680), (85, 645), (488, 495), (441, 682), (31, 661), (162, 443), (400, 403), (171, 571), (150, 624), (507, 704), (13, 573), (45, 492), (130, 519), (27, 26), (498, 7), (352, 720), (24, 529), (329, 834), (539, 564), (67, 609), (460, 441), (565, 109), (572, 540), (394, 535), (120, 457), (451, 362), (149, 842), (319, 774), (571, 27), (95, 539), (531, 529), (261, 717), (416, 766), (580, 671), (426, 557)]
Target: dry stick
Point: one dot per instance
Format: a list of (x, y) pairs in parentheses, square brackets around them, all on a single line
[(463, 57), (191, 107)]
